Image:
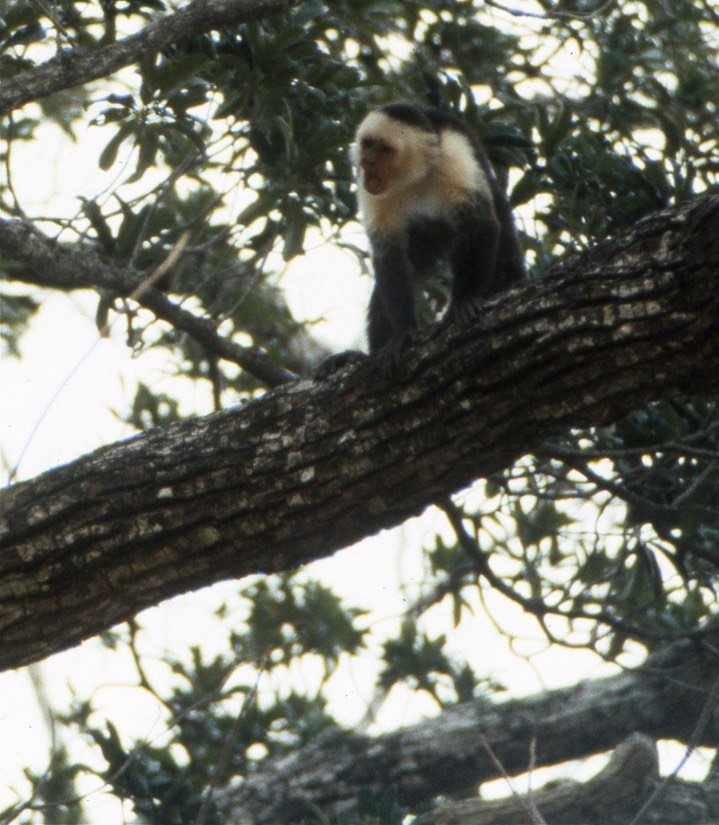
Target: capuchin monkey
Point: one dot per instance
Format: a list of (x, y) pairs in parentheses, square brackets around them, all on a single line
[(428, 198)]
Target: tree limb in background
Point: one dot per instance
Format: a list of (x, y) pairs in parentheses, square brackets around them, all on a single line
[(444, 756), (72, 67), (49, 264)]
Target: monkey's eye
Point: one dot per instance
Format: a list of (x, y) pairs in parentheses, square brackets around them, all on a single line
[(377, 147)]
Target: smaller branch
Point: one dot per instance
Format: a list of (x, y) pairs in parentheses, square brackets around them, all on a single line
[(143, 681), (657, 514), (704, 476), (220, 768), (161, 269), (536, 606), (632, 768), (55, 20), (52, 265), (552, 14), (526, 803), (251, 359)]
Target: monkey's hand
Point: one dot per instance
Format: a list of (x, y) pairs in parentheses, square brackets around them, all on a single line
[(388, 360), (466, 313), (336, 362)]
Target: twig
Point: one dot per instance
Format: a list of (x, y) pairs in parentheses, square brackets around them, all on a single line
[(525, 802)]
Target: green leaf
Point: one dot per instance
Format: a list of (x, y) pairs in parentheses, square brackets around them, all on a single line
[(545, 520), (130, 232), (294, 228), (15, 314), (148, 146), (554, 131), (108, 156)]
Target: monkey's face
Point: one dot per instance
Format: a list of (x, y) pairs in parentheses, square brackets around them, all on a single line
[(377, 160), (393, 156)]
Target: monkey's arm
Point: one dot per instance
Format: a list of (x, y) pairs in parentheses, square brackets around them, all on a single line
[(392, 316), (392, 313), (473, 257)]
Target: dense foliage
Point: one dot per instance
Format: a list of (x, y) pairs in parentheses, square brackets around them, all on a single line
[(234, 142)]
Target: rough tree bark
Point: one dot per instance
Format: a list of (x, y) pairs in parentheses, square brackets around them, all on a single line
[(314, 466), (453, 753)]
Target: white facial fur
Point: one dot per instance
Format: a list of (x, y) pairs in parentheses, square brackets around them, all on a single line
[(433, 173)]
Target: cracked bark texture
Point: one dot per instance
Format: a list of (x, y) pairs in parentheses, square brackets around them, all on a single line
[(314, 466)]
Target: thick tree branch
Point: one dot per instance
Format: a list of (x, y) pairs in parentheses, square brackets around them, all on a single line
[(459, 749), (313, 467), (72, 67), (49, 264)]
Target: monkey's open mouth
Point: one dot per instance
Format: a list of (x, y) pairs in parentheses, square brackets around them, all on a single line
[(374, 184)]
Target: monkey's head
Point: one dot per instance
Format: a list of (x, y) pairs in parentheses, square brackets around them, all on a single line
[(393, 152)]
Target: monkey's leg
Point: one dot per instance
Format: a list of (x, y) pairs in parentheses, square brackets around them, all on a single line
[(392, 307), (392, 317), (473, 258)]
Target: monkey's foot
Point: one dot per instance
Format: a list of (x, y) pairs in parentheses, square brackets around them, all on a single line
[(466, 313), (388, 361), (337, 362)]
